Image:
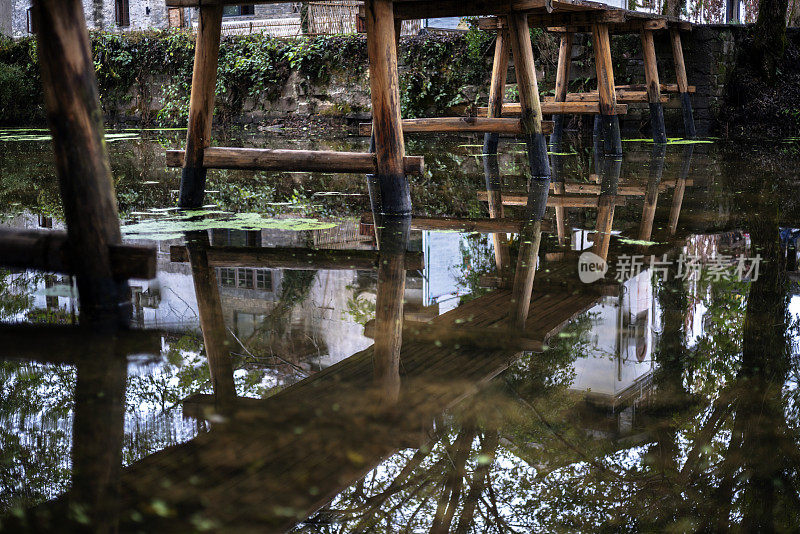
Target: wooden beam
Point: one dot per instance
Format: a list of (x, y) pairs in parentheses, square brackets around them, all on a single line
[(201, 105), (566, 200), (562, 85), (459, 224), (623, 97), (505, 126), (605, 69), (497, 88), (683, 84), (570, 107), (292, 160), (665, 88), (50, 251), (293, 258), (595, 188), (653, 87)]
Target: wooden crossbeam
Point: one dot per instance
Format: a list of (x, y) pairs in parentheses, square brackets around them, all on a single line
[(508, 126), (623, 97), (665, 87), (566, 200), (460, 224), (46, 250), (576, 107), (594, 189), (294, 258), (618, 20), (266, 159)]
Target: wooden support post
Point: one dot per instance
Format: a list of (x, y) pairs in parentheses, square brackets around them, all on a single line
[(201, 106), (212, 321), (680, 188), (651, 195), (609, 170), (84, 173), (494, 198), (559, 188), (683, 84), (562, 85), (653, 87), (389, 305), (528, 88), (530, 239), (497, 89), (385, 95), (607, 121)]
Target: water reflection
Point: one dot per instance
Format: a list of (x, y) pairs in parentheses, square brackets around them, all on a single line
[(517, 398)]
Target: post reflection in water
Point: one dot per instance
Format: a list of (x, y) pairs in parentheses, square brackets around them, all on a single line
[(536, 403)]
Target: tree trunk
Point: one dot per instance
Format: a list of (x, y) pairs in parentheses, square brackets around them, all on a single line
[(672, 8), (769, 36)]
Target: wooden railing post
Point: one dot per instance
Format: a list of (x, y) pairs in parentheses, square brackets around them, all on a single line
[(84, 173), (608, 121), (497, 89), (201, 105), (653, 87), (528, 87), (683, 84), (562, 85), (386, 120)]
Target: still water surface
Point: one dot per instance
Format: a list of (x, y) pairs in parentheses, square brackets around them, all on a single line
[(297, 367)]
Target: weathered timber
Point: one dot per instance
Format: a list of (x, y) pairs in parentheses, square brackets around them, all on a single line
[(624, 190), (292, 160), (680, 188), (459, 224), (293, 258), (497, 88), (683, 85), (607, 96), (562, 86), (386, 118), (566, 200), (87, 191), (568, 107), (653, 87), (609, 168), (494, 191), (623, 97), (50, 251), (664, 87), (651, 196), (507, 126), (201, 106)]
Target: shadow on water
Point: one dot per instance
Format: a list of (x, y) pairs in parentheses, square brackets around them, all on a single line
[(468, 373)]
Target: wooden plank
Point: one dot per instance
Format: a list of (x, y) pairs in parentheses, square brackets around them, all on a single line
[(201, 106), (294, 258), (567, 200), (459, 125), (570, 107), (50, 251), (292, 160)]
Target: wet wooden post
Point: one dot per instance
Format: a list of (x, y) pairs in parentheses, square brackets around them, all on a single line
[(562, 85), (386, 119), (201, 106), (528, 88), (497, 89), (653, 87), (212, 321), (84, 173), (530, 238), (608, 121), (683, 84), (651, 193), (680, 188), (389, 305), (608, 168), (559, 188), (494, 198)]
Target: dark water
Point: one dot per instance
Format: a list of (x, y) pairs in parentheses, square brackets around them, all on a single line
[(326, 374)]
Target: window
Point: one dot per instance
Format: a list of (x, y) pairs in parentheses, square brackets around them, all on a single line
[(245, 279), (31, 22), (122, 12), (264, 280), (238, 11), (227, 277)]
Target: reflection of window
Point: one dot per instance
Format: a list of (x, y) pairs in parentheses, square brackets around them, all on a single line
[(227, 277), (122, 12), (31, 22), (237, 11), (245, 279), (264, 280)]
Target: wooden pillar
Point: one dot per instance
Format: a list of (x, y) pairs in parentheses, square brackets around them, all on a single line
[(84, 173), (683, 84), (530, 238), (608, 120), (494, 194), (389, 306), (201, 106), (386, 120), (559, 188), (651, 193), (653, 87), (562, 85), (680, 188), (528, 88), (609, 170), (497, 89), (212, 321)]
